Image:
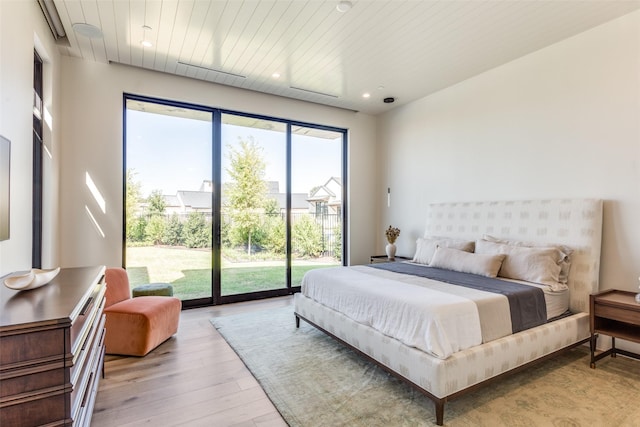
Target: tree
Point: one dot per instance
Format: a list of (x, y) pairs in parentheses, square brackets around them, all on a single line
[(157, 205), (247, 191), (132, 201)]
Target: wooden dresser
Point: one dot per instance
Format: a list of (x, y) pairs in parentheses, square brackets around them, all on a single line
[(52, 350)]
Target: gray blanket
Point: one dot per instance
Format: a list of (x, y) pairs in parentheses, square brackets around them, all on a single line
[(527, 306)]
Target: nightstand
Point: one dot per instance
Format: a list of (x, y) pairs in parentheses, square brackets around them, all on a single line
[(383, 258), (617, 314)]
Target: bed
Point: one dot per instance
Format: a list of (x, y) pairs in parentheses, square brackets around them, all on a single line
[(452, 367)]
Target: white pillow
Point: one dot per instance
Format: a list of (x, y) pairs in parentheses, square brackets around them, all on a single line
[(426, 247), (467, 262), (565, 264), (537, 265)]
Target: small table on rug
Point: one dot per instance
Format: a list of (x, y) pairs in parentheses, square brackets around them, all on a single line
[(617, 314), (383, 258)]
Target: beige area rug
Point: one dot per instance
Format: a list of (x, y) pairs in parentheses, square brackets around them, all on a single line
[(315, 381)]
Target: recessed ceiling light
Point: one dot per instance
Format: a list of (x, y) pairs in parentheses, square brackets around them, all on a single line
[(87, 30), (380, 87), (366, 95), (275, 75), (146, 43), (344, 6)]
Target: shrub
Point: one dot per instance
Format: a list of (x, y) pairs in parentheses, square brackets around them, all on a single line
[(197, 231), (337, 235), (136, 229), (275, 234), (307, 237), (225, 227), (155, 229), (173, 232)]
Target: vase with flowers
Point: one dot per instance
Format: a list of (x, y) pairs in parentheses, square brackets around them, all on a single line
[(392, 234)]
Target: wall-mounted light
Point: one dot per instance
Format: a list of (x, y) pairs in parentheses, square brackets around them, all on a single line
[(145, 42)]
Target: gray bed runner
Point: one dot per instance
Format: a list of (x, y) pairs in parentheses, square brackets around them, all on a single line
[(527, 306)]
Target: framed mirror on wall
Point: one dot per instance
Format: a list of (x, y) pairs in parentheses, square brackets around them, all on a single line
[(5, 161)]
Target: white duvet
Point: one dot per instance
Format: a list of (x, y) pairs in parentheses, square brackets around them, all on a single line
[(437, 322)]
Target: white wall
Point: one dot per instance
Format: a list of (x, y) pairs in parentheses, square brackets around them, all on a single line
[(23, 29), (92, 135), (561, 122)]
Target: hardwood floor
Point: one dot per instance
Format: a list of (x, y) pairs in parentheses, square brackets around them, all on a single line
[(192, 379)]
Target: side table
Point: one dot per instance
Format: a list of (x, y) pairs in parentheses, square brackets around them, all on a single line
[(617, 314), (383, 258)]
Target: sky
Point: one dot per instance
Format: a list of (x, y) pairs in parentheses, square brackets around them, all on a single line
[(170, 153)]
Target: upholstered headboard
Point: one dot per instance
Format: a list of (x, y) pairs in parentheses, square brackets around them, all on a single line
[(576, 223)]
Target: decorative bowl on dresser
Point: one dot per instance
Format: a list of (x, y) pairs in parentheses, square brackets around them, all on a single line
[(52, 350)]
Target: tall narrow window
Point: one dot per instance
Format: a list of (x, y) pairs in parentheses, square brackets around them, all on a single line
[(36, 245)]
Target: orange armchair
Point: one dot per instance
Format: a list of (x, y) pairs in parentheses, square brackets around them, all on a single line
[(135, 326)]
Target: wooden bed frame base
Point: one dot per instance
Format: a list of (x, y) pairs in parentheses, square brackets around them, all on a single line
[(438, 401)]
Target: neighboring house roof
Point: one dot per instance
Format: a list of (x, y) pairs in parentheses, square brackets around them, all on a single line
[(329, 192), (171, 200), (203, 199), (298, 200), (195, 199), (322, 192), (337, 179)]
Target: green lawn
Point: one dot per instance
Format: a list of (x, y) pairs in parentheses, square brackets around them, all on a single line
[(189, 271)]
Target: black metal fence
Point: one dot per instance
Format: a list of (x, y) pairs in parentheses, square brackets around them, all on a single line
[(330, 226)]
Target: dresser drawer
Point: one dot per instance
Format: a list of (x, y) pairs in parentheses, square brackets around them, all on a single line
[(31, 412), (31, 379), (38, 346)]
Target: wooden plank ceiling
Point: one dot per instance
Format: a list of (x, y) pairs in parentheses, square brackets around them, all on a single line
[(386, 48)]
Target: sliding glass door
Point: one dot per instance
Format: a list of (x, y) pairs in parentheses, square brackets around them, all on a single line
[(316, 194), (253, 205), (168, 201), (228, 206)]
